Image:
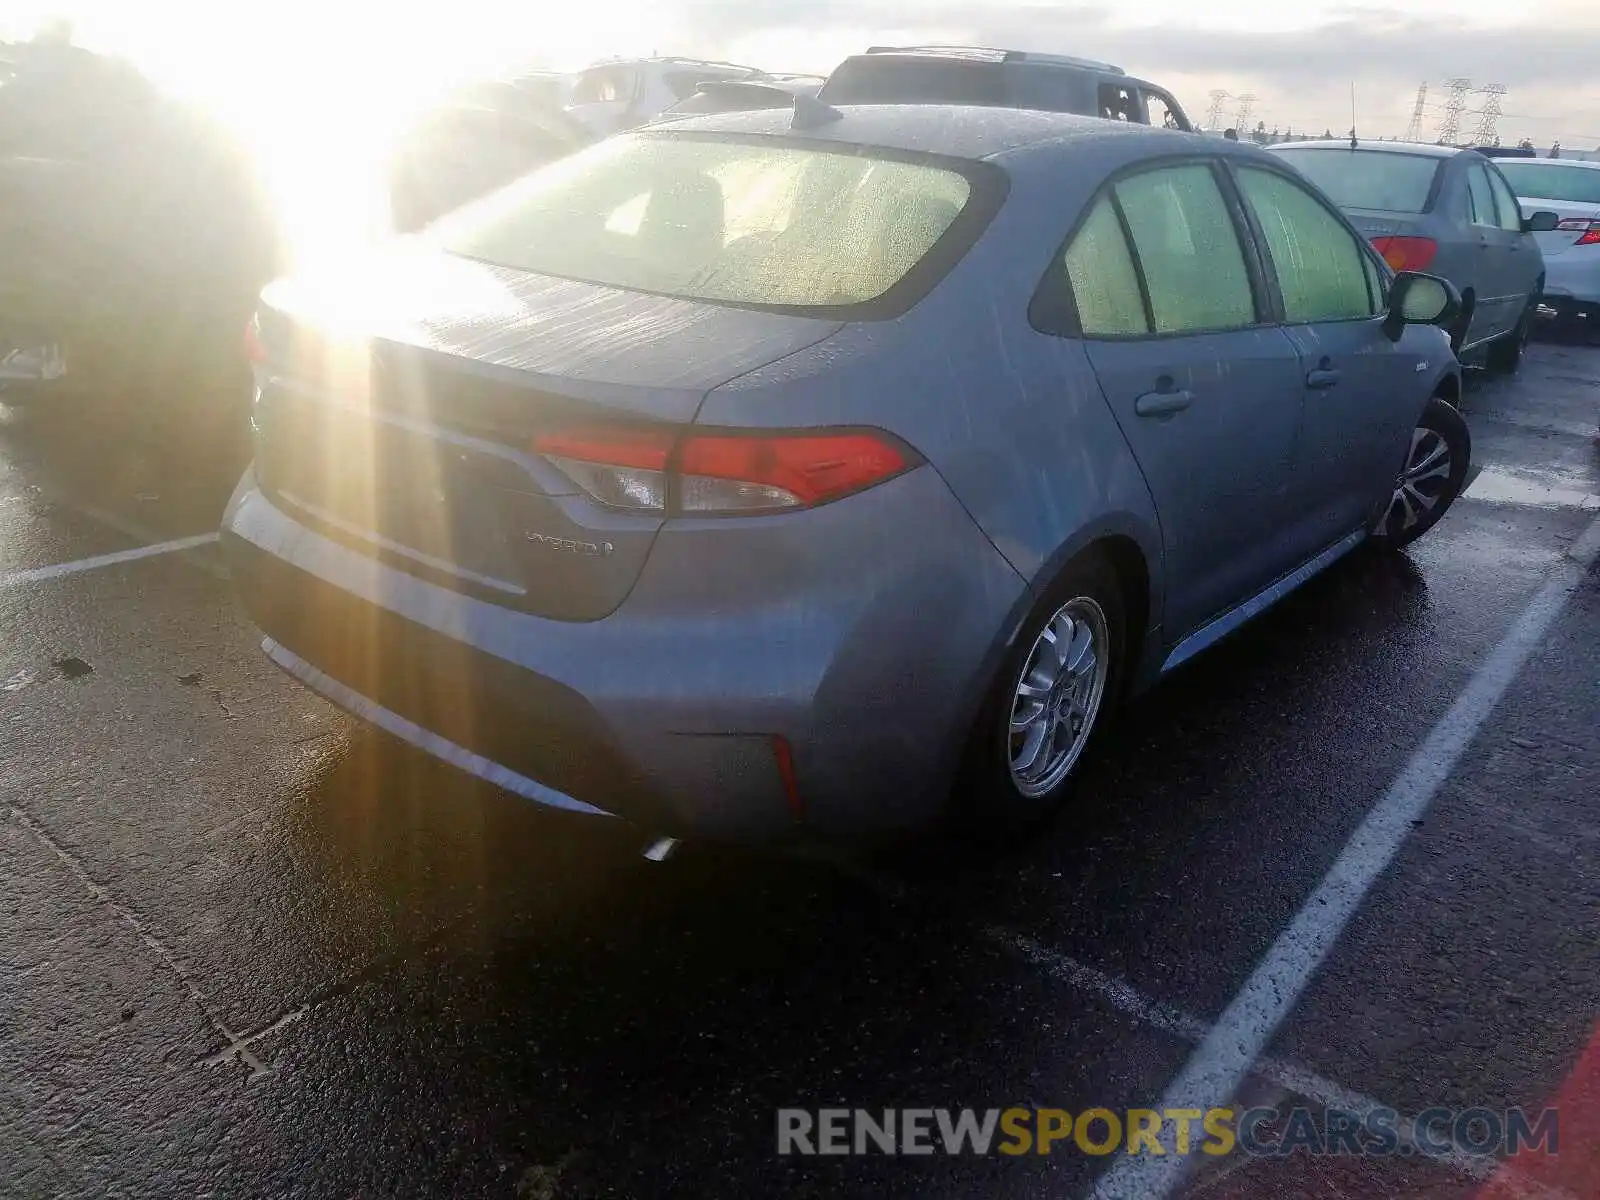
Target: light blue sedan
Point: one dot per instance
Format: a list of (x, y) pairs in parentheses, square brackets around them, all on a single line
[(828, 471)]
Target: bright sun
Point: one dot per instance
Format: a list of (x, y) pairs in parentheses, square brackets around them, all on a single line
[(318, 90)]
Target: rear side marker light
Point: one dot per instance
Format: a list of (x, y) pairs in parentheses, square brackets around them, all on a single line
[(722, 473), (784, 757), (1406, 253), (1589, 229)]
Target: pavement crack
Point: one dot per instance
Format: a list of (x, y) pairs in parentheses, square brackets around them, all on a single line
[(239, 1044), (237, 1047)]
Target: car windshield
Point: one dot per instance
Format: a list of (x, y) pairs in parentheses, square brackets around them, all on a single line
[(1576, 185), (751, 222), (1377, 179)]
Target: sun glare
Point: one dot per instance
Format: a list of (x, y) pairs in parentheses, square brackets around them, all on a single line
[(319, 92)]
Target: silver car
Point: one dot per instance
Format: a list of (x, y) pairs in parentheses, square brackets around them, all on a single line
[(1446, 211), (761, 474), (1571, 190)]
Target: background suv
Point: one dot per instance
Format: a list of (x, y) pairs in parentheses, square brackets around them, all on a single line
[(1002, 79)]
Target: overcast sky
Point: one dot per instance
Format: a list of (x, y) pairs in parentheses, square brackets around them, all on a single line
[(1298, 59)]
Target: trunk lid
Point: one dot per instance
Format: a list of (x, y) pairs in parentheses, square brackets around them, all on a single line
[(406, 431), (1375, 222)]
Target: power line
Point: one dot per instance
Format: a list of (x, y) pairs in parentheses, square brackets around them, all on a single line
[(1247, 105), (1219, 98), (1450, 127), (1485, 134), (1414, 129)]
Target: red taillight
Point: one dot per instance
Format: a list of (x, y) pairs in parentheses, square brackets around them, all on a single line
[(1406, 253), (722, 472), (1589, 229)]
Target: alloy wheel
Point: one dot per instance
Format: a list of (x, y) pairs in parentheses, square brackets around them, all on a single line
[(1421, 485), (1058, 696)]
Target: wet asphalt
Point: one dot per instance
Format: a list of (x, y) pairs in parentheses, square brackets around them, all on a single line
[(248, 948)]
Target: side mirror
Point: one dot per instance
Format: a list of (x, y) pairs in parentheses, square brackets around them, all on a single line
[(1418, 299), (1540, 222)]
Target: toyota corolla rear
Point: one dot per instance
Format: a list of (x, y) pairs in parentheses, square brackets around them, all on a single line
[(484, 515)]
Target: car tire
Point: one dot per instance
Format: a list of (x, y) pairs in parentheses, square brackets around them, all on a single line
[(1044, 711), (1431, 477), (1505, 355)]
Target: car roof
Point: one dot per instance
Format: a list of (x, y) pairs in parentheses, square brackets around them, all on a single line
[(959, 131), (991, 54), (671, 60), (1557, 162), (1417, 149)]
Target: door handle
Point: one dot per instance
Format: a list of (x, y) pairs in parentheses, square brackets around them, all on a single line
[(1162, 404), (1324, 377)]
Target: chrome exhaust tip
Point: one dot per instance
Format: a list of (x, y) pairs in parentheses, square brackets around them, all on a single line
[(661, 849)]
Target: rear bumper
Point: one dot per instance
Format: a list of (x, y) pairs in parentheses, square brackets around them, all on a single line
[(665, 713), (1573, 277)]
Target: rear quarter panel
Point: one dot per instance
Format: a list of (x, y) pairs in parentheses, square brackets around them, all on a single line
[(1012, 419)]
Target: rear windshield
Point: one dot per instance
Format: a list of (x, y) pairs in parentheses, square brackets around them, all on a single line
[(1367, 178), (883, 79), (1577, 185), (753, 222)]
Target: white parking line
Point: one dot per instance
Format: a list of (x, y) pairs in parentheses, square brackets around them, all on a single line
[(1128, 1000), (1243, 1032), (1313, 1087), (57, 570)]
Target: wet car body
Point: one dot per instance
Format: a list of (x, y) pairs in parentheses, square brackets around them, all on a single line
[(413, 547)]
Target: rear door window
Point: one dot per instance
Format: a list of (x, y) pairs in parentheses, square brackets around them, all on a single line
[(1188, 250), (1322, 272), (1505, 203), (1160, 253), (1480, 197), (1105, 282)]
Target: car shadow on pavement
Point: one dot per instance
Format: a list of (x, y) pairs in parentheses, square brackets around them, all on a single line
[(606, 1019), (564, 1006)]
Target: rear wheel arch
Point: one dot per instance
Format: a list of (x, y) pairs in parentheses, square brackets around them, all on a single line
[(1087, 593), (1127, 560), (1448, 389)]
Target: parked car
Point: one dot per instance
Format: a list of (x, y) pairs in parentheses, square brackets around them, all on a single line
[(744, 95), (812, 472), (135, 237), (1447, 211), (550, 88), (610, 97), (482, 135), (1003, 78), (1571, 190)]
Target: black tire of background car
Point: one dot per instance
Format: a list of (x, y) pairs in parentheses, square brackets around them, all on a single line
[(1441, 417), (1505, 356), (985, 804)]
